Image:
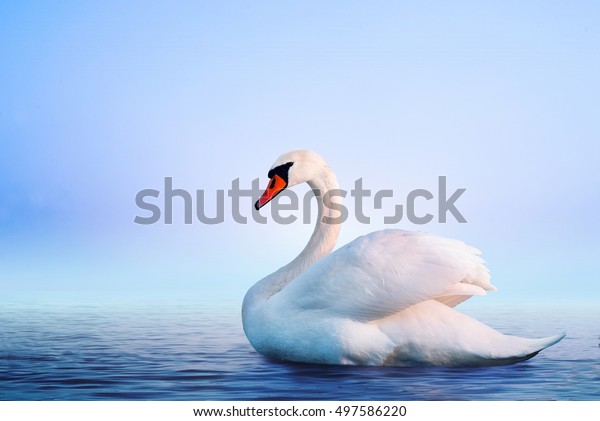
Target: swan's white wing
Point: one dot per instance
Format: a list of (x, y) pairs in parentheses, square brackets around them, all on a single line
[(387, 271)]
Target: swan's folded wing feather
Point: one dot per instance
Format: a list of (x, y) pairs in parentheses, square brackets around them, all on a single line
[(459, 293), (387, 271)]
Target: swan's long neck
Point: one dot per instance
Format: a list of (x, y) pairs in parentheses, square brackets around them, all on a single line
[(321, 242)]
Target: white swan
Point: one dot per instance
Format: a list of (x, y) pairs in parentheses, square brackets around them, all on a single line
[(386, 298)]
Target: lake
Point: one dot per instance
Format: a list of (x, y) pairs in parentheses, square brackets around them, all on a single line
[(194, 351)]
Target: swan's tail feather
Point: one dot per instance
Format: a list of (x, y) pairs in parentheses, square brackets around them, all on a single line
[(534, 346), (544, 343), (453, 339)]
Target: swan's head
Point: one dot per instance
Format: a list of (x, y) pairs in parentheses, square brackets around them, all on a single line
[(289, 169)]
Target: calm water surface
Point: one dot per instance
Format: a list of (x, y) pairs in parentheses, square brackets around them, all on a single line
[(196, 352)]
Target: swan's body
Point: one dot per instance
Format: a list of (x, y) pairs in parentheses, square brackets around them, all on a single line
[(386, 298)]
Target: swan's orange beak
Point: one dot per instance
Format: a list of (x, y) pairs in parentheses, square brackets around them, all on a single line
[(276, 186)]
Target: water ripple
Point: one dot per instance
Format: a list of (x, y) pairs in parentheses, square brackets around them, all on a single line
[(174, 352)]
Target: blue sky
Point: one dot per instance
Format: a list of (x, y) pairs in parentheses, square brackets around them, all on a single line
[(99, 100)]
